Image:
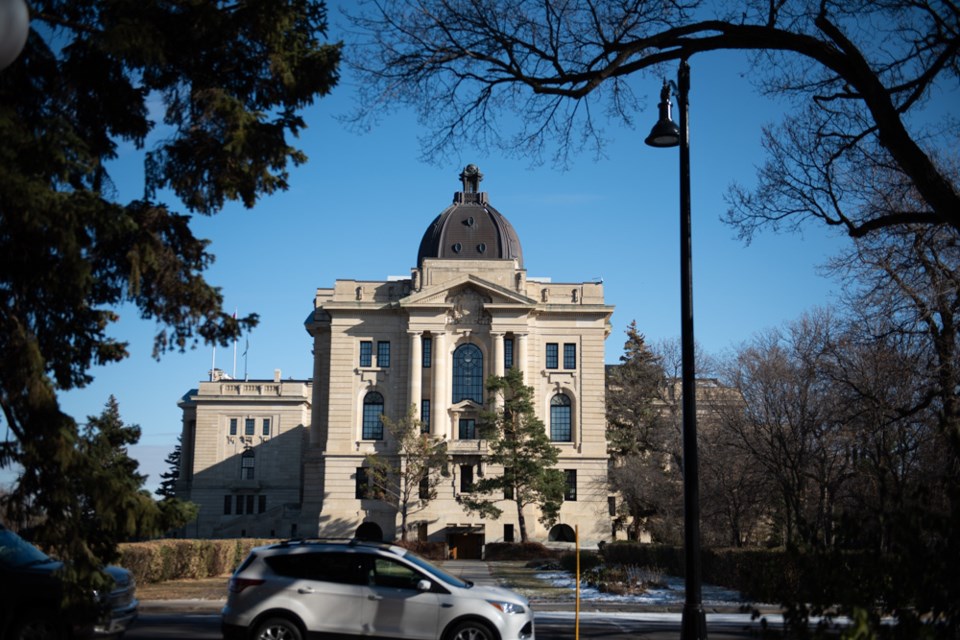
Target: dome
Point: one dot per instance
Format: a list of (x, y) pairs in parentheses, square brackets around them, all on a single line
[(470, 229)]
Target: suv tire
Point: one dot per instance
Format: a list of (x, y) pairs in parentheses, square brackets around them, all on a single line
[(471, 630), (278, 629)]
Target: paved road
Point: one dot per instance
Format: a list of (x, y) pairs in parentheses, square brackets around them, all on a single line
[(200, 620), (164, 625)]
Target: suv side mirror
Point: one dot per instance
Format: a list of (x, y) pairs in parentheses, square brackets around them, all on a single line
[(424, 585)]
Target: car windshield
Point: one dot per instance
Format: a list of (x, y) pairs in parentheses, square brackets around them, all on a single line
[(17, 552), (437, 572)]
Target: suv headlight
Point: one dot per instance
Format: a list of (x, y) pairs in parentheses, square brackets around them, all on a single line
[(507, 607)]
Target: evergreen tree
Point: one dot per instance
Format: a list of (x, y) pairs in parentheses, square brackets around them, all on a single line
[(632, 387), (168, 482), (408, 479), (223, 86), (518, 443), (93, 499)]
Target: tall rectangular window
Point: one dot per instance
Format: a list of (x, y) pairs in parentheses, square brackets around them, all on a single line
[(570, 493), (250, 503), (366, 353), (240, 503), (508, 533), (553, 355), (227, 504), (466, 478), (468, 429), (508, 485), (424, 489), (261, 503), (611, 505), (569, 355), (507, 354), (372, 427), (233, 426), (265, 428), (362, 491), (383, 354), (248, 463), (427, 352), (424, 416), (249, 426)]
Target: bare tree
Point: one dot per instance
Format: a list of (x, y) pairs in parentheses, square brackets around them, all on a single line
[(858, 72), (408, 477), (789, 424)]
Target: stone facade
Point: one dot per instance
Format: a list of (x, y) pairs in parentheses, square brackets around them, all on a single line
[(241, 456), (467, 311)]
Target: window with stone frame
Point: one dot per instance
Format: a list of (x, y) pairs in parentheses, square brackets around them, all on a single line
[(561, 418), (372, 428), (569, 355), (383, 354), (552, 356), (468, 374), (247, 464), (570, 491)]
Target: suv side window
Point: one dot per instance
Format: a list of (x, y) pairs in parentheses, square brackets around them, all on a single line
[(342, 568), (387, 573)]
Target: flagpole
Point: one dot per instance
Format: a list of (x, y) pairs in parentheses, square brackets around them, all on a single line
[(234, 349)]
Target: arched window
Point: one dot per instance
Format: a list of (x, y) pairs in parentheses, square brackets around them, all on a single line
[(468, 373), (247, 464), (372, 410), (560, 424)]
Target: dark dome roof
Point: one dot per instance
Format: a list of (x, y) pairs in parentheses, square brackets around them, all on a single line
[(470, 229)]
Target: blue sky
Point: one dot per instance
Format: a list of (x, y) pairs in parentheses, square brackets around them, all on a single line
[(359, 206)]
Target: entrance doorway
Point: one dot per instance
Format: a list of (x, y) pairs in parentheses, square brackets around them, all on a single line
[(465, 546)]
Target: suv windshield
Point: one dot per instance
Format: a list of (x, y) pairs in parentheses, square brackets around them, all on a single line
[(436, 571), (17, 552)]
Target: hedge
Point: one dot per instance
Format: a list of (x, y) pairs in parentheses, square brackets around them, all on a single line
[(176, 559)]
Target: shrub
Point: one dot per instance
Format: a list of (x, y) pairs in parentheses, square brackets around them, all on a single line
[(178, 559), (588, 560), (429, 550), (517, 551)]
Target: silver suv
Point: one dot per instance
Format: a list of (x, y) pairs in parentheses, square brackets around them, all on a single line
[(288, 590)]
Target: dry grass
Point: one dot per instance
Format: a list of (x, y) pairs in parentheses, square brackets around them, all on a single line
[(198, 589)]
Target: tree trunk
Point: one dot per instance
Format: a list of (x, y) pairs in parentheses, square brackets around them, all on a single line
[(522, 523)]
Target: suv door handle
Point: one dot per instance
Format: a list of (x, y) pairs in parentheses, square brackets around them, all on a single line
[(305, 590), (374, 596)]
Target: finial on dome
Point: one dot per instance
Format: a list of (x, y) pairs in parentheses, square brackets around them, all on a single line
[(471, 177)]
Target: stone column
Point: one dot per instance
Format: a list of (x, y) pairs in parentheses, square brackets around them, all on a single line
[(415, 372), (520, 361), (439, 400), (498, 361), (497, 352)]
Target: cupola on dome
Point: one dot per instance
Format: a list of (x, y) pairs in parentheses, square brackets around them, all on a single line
[(470, 229)]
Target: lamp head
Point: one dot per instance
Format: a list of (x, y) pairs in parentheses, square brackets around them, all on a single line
[(665, 133)]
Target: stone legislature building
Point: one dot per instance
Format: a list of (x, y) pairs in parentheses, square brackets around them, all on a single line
[(285, 458)]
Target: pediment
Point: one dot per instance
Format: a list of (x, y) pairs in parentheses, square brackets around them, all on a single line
[(466, 292)]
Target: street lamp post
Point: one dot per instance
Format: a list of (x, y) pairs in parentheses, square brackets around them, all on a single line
[(667, 134)]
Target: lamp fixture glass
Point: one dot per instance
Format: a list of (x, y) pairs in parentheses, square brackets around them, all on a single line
[(665, 133)]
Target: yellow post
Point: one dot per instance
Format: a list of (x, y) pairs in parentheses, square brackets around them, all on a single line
[(576, 615)]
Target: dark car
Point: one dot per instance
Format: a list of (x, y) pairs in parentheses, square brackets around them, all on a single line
[(30, 597)]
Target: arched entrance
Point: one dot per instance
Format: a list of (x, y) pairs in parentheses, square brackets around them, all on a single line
[(369, 531), (562, 533)]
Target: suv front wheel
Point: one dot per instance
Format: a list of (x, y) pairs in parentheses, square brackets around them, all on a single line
[(278, 629), (471, 630)]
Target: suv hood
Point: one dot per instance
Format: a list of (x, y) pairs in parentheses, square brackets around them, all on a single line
[(497, 593)]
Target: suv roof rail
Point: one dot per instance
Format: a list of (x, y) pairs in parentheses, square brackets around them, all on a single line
[(292, 541), (352, 542)]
